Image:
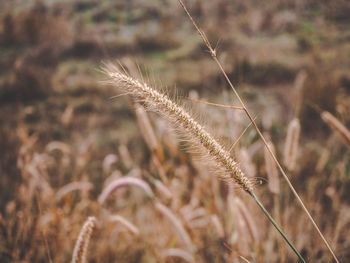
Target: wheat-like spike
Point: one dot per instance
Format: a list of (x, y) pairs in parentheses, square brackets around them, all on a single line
[(292, 144), (81, 246), (337, 126), (162, 103)]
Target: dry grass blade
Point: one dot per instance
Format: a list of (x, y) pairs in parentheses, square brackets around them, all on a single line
[(130, 226), (178, 253), (81, 246), (240, 136), (218, 226), (180, 230), (163, 190), (125, 156), (74, 186), (217, 104), (146, 128), (124, 181), (248, 218), (337, 126), (244, 259)]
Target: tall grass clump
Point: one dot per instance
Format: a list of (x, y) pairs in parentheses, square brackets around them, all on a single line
[(154, 99)]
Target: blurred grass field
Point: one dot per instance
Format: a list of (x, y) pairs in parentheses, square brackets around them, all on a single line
[(59, 125)]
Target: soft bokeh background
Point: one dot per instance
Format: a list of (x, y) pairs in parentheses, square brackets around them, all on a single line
[(288, 58)]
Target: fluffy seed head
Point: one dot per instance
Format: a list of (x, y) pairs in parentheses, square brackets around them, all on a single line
[(160, 102), (292, 144), (81, 246)]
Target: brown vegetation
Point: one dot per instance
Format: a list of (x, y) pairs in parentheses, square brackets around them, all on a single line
[(68, 152)]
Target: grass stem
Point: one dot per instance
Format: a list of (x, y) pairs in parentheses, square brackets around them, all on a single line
[(277, 227)]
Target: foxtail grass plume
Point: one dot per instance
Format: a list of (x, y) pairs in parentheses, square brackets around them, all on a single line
[(81, 246), (292, 144), (160, 102), (337, 126)]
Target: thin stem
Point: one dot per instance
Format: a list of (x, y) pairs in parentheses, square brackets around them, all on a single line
[(239, 137), (218, 105), (277, 227), (213, 54)]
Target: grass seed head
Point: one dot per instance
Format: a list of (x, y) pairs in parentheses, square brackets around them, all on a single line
[(160, 102), (81, 246)]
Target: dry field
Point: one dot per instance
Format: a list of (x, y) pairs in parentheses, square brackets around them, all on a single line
[(97, 166)]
